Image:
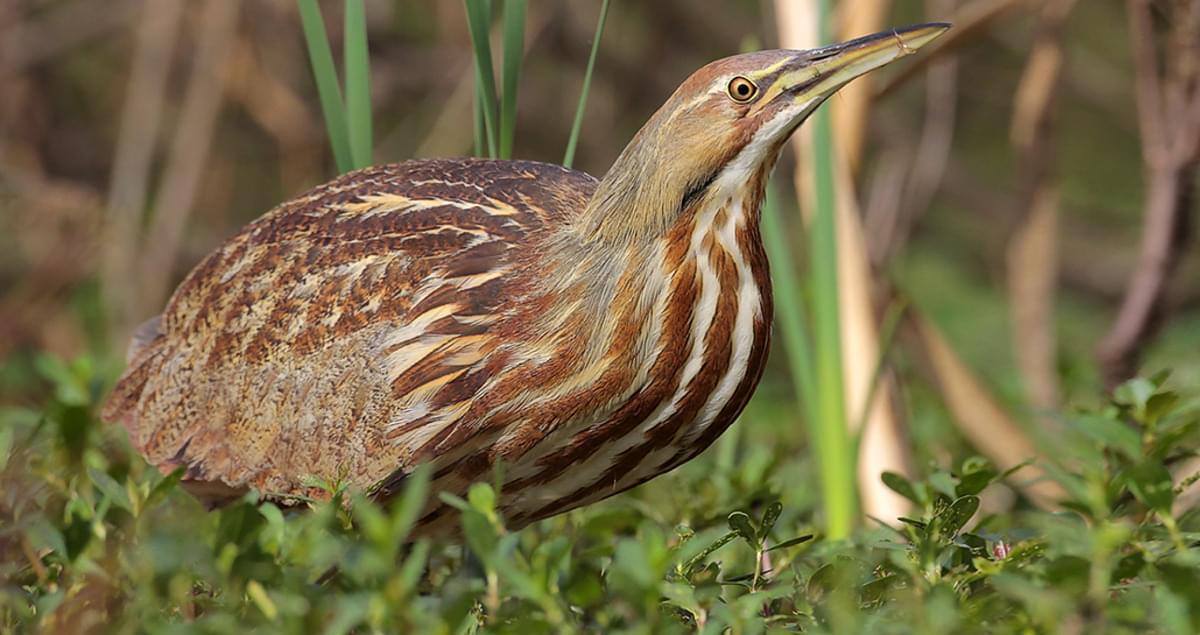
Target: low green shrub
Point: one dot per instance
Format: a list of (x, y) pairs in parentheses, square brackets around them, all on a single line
[(92, 538)]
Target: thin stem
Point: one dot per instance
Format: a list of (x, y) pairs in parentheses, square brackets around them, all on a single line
[(325, 75), (357, 66), (479, 17), (569, 156), (831, 439), (514, 50)]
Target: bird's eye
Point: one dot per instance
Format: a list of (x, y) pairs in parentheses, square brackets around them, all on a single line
[(742, 90)]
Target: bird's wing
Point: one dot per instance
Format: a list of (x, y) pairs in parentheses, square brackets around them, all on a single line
[(334, 335)]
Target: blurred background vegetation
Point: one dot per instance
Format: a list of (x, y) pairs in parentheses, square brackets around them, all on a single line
[(1019, 201)]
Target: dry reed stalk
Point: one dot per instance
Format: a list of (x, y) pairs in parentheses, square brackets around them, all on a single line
[(1033, 247), (189, 151), (136, 143)]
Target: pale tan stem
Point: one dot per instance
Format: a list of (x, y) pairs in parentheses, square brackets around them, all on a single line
[(189, 150), (136, 142), (1033, 248), (1032, 285), (852, 103)]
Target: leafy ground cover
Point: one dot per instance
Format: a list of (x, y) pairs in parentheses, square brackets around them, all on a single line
[(91, 538)]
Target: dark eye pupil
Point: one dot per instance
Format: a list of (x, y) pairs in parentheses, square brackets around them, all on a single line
[(743, 90)]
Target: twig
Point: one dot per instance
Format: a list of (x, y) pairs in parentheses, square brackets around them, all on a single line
[(1168, 101)]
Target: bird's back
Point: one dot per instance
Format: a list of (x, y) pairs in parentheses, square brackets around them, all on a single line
[(334, 334)]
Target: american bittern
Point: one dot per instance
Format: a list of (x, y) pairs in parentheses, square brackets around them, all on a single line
[(589, 334)]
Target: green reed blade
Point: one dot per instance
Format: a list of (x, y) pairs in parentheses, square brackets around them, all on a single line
[(479, 18), (791, 322), (477, 121), (831, 438), (514, 52), (358, 84), (321, 57), (569, 156)]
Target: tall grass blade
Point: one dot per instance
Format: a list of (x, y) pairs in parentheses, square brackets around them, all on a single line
[(479, 18), (480, 144), (831, 437), (321, 57), (569, 156), (791, 322), (514, 52), (358, 84)]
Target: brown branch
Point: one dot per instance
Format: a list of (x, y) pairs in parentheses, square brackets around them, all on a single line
[(1168, 100)]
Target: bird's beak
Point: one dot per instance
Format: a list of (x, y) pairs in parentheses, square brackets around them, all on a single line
[(821, 72)]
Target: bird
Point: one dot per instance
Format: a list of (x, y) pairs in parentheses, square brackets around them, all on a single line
[(580, 335)]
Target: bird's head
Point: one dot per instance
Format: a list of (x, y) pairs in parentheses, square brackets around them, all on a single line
[(724, 126)]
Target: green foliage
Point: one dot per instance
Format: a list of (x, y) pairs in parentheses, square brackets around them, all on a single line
[(91, 535), (348, 124), (577, 124)]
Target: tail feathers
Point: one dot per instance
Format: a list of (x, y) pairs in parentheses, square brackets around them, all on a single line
[(143, 359)]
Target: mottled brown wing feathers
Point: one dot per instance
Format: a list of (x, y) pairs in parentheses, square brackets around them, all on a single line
[(342, 330)]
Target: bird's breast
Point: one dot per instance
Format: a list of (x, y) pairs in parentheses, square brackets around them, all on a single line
[(695, 313)]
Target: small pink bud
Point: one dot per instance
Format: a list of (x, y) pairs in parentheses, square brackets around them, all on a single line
[(1001, 550)]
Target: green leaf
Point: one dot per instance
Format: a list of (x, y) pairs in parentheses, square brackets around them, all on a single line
[(406, 512), (321, 57), (1111, 433), (514, 51), (110, 487), (1159, 405), (944, 483), (1151, 483), (577, 124), (414, 566), (1134, 394), (481, 536), (483, 498), (769, 518), (913, 522), (741, 523), (699, 558), (953, 518), (358, 84), (975, 481), (897, 483), (259, 596), (164, 486), (791, 542), (479, 18)]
